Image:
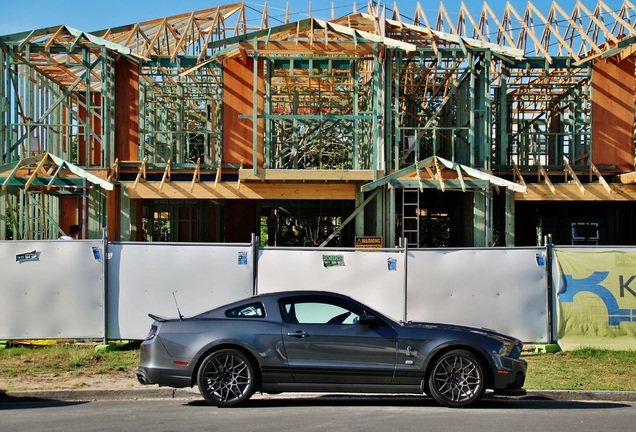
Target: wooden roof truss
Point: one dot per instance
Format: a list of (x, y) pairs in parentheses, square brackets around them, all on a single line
[(537, 51)]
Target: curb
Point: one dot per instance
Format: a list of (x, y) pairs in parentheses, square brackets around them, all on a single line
[(97, 395), (582, 395), (165, 393)]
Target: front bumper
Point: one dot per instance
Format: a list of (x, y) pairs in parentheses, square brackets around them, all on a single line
[(510, 377)]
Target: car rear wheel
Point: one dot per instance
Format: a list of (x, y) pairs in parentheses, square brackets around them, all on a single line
[(457, 379), (226, 378)]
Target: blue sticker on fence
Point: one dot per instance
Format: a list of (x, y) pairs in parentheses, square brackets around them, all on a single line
[(242, 258), (391, 264)]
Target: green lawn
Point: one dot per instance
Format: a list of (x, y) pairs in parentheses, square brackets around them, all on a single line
[(587, 369)]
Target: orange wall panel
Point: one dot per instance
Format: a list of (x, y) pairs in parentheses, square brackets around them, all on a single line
[(126, 109), (613, 114), (70, 213), (238, 95), (114, 214)]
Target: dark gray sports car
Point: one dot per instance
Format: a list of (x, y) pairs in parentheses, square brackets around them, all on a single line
[(324, 342)]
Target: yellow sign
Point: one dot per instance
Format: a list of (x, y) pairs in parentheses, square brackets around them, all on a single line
[(367, 242), (597, 299)]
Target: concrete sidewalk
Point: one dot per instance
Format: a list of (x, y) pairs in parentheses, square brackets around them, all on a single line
[(193, 394)]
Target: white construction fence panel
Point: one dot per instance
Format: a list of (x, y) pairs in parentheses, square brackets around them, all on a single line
[(154, 278), (375, 278), (502, 289), (51, 289)]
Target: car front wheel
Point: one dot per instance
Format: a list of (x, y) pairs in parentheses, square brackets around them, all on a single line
[(457, 379), (226, 378)]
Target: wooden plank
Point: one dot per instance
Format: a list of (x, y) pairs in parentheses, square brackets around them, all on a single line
[(229, 190), (571, 192), (304, 47), (628, 178)]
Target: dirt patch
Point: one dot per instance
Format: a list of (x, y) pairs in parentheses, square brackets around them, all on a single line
[(72, 381)]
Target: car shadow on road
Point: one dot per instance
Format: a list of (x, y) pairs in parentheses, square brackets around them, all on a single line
[(22, 402), (489, 402)]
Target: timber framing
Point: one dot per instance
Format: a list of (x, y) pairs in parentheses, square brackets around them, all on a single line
[(234, 103), (234, 191)]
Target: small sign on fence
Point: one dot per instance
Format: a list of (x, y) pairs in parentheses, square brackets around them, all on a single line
[(368, 242)]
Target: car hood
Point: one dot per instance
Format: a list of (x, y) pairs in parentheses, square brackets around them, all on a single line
[(459, 328)]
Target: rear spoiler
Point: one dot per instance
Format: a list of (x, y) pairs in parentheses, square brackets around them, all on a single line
[(158, 318)]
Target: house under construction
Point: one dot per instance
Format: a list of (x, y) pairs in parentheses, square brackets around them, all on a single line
[(470, 128)]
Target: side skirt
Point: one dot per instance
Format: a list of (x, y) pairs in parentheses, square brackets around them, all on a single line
[(341, 388)]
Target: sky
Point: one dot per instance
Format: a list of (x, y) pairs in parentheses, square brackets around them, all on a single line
[(22, 15)]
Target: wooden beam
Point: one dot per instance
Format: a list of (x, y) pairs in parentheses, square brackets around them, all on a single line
[(114, 172), (217, 178), (35, 172), (570, 171), (301, 47), (516, 174), (570, 192), (601, 180), (238, 182), (229, 190), (438, 173), (197, 174), (542, 172), (55, 176), (166, 174), (350, 218), (460, 177), (141, 174), (628, 178)]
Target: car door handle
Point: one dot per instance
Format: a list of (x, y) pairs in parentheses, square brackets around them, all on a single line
[(299, 334)]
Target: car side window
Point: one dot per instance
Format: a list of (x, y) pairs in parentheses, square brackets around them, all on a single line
[(316, 311), (252, 310)]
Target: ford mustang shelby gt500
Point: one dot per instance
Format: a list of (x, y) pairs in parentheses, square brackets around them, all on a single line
[(325, 342)]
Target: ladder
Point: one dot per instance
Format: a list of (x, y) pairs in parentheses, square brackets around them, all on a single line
[(411, 217)]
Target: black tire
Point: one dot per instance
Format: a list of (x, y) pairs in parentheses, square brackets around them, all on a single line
[(457, 379), (226, 378)]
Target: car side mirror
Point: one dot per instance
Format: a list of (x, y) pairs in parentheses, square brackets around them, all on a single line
[(369, 320)]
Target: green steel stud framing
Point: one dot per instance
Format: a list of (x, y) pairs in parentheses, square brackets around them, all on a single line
[(445, 102)]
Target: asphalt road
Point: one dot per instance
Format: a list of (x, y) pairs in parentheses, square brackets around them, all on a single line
[(316, 413)]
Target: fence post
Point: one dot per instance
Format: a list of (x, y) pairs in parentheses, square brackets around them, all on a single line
[(549, 251), (105, 279), (255, 249), (406, 278)]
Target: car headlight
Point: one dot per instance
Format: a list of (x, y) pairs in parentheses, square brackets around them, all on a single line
[(507, 345), (506, 348)]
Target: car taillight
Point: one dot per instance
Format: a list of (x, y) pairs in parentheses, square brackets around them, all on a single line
[(152, 333)]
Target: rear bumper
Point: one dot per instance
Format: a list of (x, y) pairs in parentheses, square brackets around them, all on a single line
[(162, 377), (158, 367)]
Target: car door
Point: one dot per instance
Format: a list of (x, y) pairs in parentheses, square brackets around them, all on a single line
[(325, 344)]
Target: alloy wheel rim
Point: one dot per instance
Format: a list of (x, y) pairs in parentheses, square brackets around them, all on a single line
[(228, 378), (457, 379)]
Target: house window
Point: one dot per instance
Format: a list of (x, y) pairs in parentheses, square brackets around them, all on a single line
[(585, 233)]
